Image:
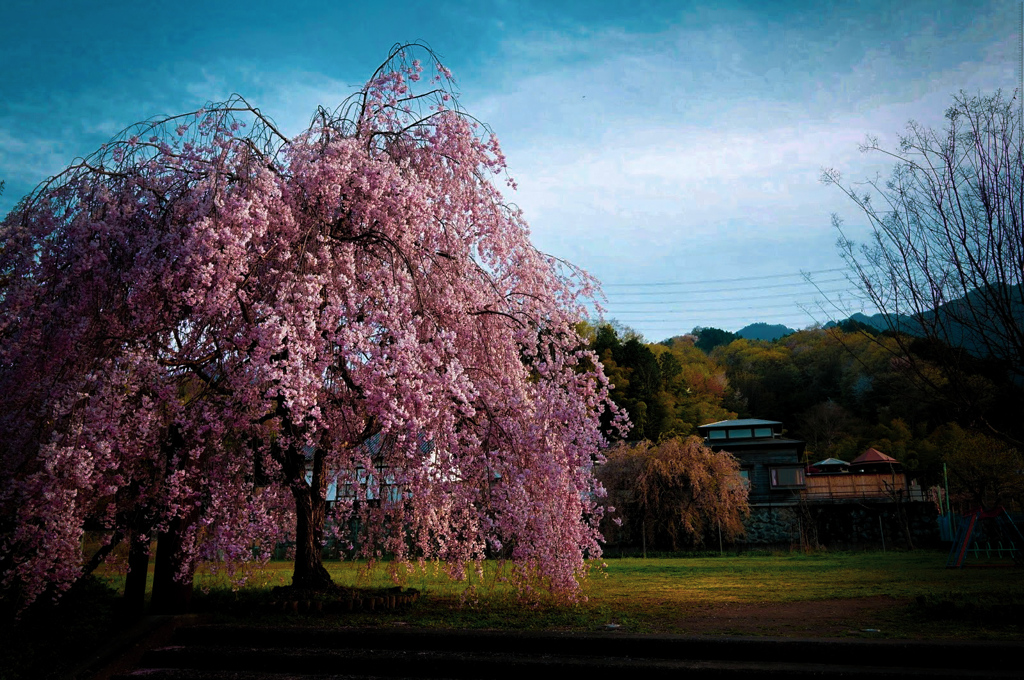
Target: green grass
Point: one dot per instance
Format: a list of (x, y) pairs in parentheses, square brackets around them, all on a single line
[(658, 595), (798, 577), (669, 594), (663, 595)]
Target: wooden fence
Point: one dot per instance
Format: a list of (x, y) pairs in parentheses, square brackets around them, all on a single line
[(849, 486)]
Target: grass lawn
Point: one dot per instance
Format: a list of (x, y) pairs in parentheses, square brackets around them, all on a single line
[(893, 595), (902, 594)]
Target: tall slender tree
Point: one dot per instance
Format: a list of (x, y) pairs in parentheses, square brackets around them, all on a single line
[(945, 261)]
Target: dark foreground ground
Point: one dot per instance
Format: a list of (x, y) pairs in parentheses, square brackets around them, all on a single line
[(179, 649), (954, 621)]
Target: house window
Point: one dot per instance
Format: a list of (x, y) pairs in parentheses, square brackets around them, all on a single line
[(739, 434), (786, 477), (716, 434), (763, 432), (745, 477)]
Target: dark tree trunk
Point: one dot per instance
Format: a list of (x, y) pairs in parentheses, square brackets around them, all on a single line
[(100, 555), (310, 515), (904, 519), (309, 532), (133, 602), (171, 595)]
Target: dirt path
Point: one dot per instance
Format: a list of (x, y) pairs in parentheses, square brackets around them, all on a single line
[(824, 618)]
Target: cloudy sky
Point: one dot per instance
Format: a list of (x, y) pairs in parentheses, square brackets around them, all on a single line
[(671, 149)]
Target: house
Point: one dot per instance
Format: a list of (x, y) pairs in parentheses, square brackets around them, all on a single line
[(374, 485), (770, 463), (864, 503)]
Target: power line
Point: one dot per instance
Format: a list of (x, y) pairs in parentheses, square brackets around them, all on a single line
[(733, 280), (704, 313), (686, 326), (708, 316), (732, 290), (689, 302), (710, 313)]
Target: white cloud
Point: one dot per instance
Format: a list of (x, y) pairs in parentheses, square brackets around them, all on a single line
[(26, 162), (637, 147), (662, 155), (641, 164)]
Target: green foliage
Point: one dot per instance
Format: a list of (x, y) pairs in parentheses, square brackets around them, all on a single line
[(841, 389), (983, 471), (694, 388), (825, 427), (710, 338), (852, 325), (844, 390), (911, 447), (668, 388), (766, 375), (641, 396)]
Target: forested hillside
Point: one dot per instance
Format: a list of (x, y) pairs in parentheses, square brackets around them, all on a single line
[(841, 389)]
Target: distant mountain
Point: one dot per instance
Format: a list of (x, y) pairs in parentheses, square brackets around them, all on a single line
[(960, 320), (876, 321), (764, 331)]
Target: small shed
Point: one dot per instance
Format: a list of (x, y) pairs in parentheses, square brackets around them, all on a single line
[(874, 460), (828, 466)]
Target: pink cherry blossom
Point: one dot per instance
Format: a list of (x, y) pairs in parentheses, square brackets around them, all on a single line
[(220, 329)]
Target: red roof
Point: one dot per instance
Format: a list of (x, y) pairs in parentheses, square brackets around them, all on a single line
[(873, 456)]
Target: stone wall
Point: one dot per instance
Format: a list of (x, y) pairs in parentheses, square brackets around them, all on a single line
[(771, 526), (843, 526)]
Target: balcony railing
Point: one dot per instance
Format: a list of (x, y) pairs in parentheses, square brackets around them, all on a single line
[(889, 486)]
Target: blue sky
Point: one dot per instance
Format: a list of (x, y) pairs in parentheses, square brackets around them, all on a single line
[(654, 143)]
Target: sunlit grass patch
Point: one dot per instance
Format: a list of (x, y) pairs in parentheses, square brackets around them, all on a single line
[(647, 595)]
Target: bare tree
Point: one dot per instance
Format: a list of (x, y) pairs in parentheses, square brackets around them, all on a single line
[(823, 425), (945, 260)]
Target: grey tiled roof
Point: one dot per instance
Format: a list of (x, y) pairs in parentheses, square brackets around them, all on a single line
[(743, 422)]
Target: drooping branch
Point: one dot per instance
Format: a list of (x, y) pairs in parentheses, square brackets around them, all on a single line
[(354, 302)]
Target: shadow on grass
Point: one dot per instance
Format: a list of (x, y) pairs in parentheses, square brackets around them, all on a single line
[(981, 609), (639, 596), (52, 639)]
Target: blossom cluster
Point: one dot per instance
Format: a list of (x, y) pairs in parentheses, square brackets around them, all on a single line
[(190, 313)]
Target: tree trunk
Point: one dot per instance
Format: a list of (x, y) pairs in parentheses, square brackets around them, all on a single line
[(904, 517), (101, 555), (171, 595), (133, 602), (310, 515)]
